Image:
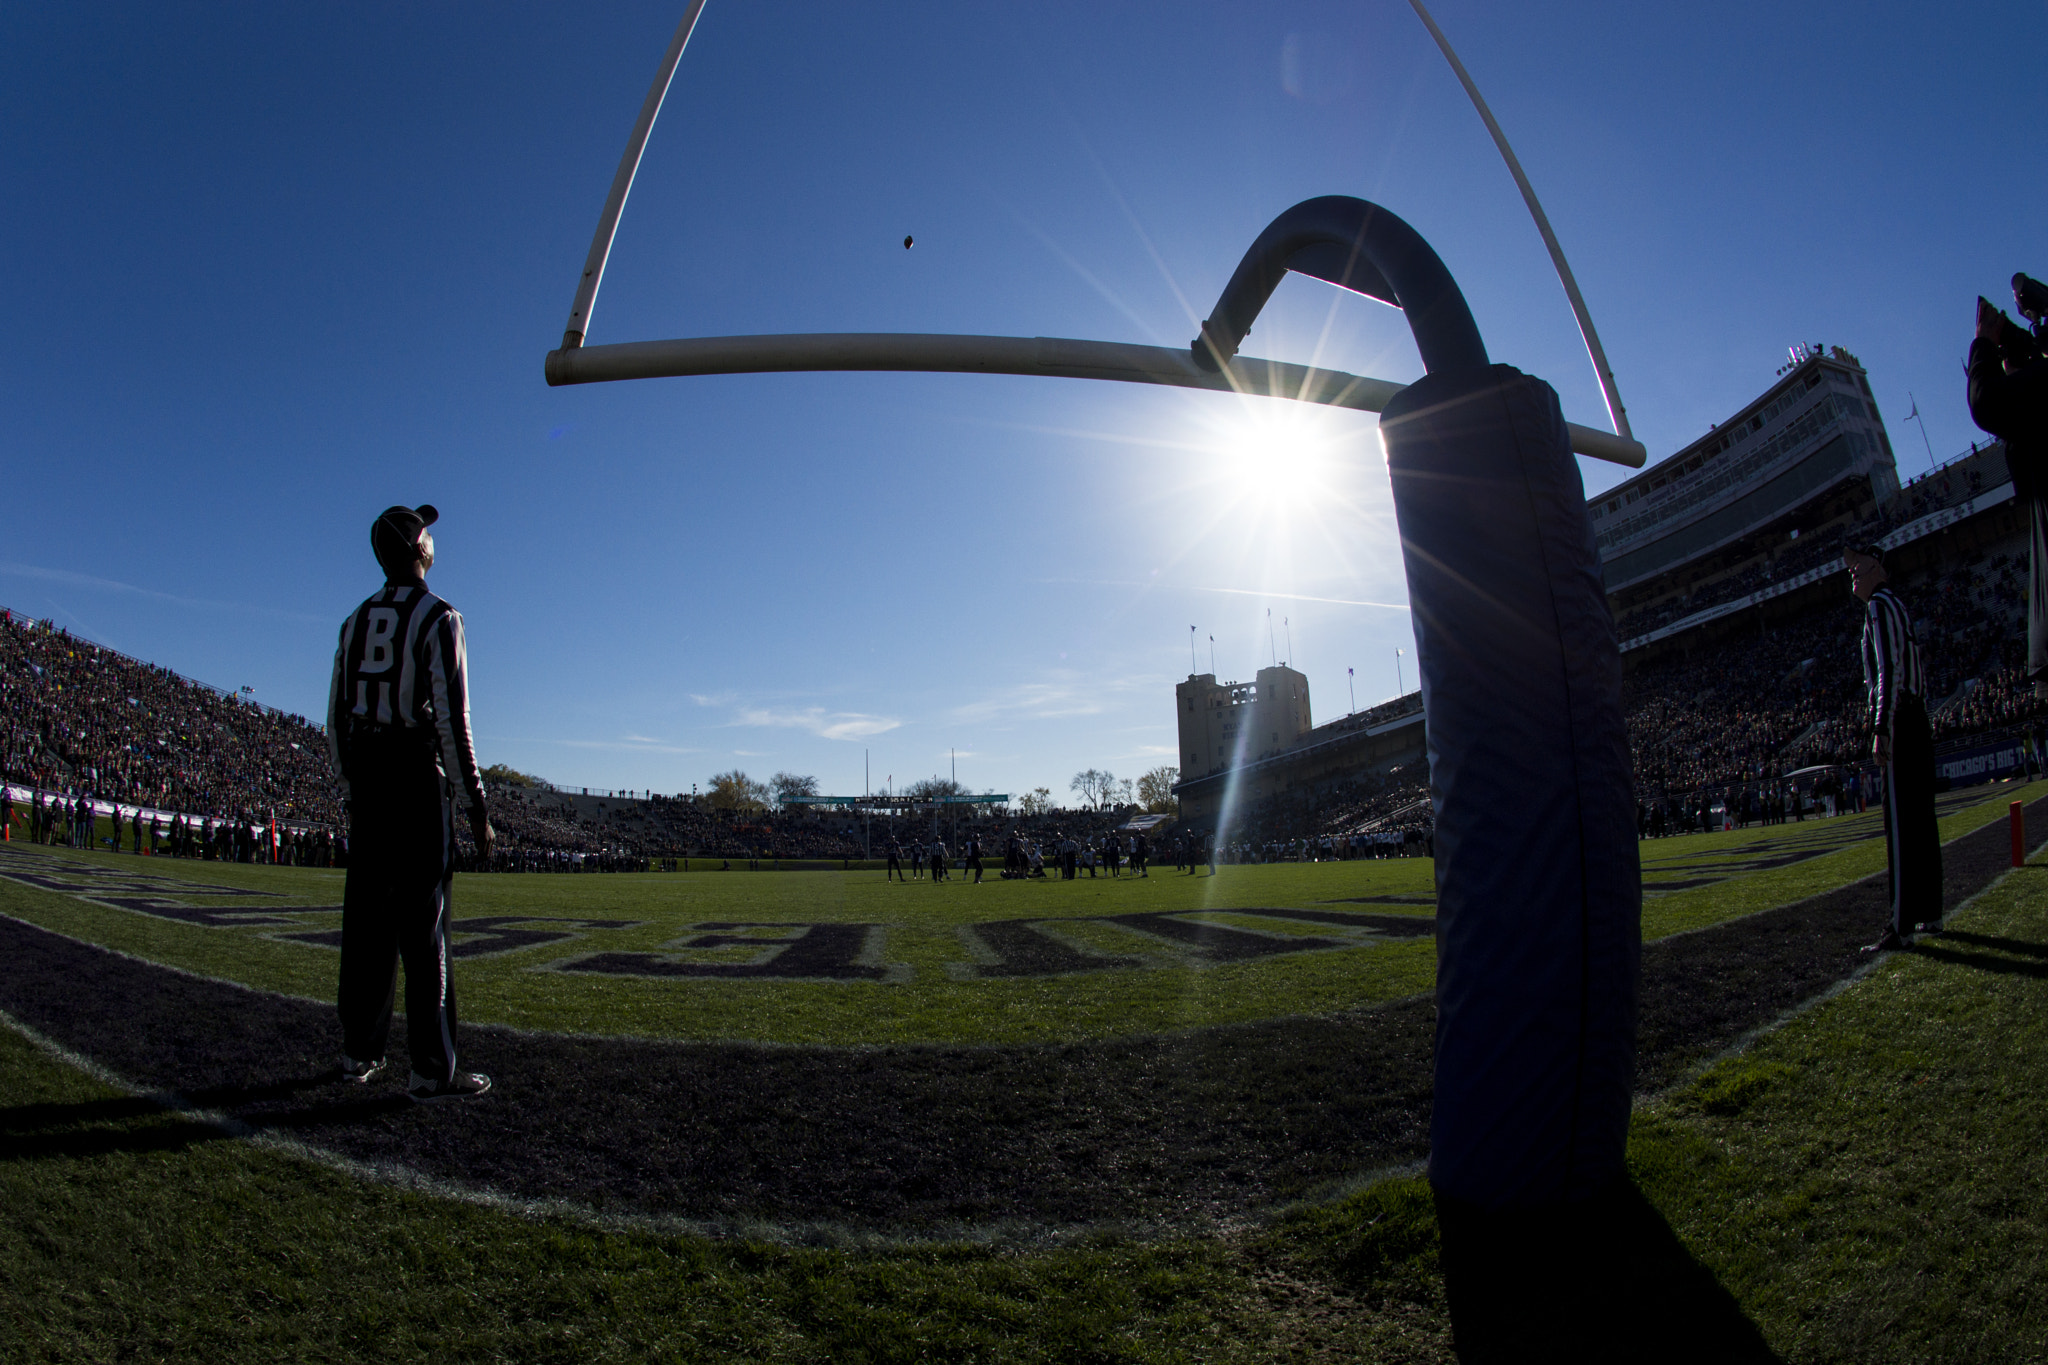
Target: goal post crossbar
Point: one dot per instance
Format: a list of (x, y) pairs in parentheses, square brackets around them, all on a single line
[(1059, 357)]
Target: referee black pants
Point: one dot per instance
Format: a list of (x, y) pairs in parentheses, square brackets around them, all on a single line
[(395, 906), (1912, 840)]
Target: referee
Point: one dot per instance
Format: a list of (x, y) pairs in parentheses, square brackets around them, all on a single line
[(1904, 748), (398, 730)]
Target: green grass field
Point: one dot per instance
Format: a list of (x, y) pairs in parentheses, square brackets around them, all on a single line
[(1865, 1180), (929, 982)]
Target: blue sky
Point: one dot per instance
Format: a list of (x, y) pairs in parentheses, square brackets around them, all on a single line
[(276, 267)]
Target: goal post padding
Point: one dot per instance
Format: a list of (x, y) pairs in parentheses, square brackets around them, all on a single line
[(1539, 892)]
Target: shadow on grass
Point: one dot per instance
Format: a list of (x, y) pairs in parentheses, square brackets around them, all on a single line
[(360, 1110), (2003, 945), (295, 1102), (1604, 1281), (1983, 962), (258, 1092), (33, 1132), (145, 1123)]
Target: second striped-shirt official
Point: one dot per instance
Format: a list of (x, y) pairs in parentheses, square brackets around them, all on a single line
[(1904, 744)]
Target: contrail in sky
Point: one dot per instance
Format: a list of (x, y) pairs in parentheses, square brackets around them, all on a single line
[(1235, 592), (1299, 597), (82, 580)]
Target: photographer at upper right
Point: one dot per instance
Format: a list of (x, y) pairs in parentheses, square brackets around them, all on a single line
[(2009, 399)]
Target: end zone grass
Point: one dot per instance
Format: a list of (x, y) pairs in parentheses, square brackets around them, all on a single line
[(925, 1001), (933, 994), (1865, 1180)]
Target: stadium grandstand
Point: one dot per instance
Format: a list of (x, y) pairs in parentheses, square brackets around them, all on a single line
[(1739, 639)]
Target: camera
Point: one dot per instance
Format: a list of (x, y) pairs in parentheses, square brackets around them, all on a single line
[(2014, 343), (2030, 297)]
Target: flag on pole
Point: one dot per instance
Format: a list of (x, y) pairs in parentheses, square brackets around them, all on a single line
[(1915, 412)]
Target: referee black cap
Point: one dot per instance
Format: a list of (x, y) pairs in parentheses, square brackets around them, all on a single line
[(1871, 551), (395, 535)]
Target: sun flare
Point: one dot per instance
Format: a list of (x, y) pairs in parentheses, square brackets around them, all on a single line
[(1279, 457)]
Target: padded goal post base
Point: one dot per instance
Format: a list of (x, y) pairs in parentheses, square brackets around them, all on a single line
[(1539, 891)]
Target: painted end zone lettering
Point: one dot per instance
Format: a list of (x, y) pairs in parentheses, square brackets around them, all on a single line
[(482, 936), (829, 952)]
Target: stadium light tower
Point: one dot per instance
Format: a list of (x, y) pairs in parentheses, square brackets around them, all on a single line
[(1538, 883)]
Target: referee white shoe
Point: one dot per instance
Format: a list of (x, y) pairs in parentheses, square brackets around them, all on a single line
[(465, 1084), (362, 1073)]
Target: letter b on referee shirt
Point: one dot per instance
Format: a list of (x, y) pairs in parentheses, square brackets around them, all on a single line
[(377, 650)]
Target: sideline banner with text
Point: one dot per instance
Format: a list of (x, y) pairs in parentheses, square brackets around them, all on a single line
[(1982, 763)]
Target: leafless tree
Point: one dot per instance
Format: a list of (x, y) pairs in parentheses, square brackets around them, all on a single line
[(786, 785), (1155, 790), (932, 788), (1094, 786)]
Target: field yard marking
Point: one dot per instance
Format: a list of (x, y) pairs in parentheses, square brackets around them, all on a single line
[(999, 949), (1084, 1004), (475, 937), (70, 876)]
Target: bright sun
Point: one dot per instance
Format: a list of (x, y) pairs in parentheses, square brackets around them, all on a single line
[(1280, 459)]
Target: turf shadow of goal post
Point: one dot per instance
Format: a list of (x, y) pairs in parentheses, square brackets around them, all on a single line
[(1602, 1279)]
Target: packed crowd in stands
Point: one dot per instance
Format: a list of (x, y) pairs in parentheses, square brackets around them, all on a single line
[(1723, 731), (80, 821), (542, 828), (1739, 720), (1380, 810), (78, 717)]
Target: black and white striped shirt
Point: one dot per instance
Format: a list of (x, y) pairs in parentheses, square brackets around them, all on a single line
[(402, 664), (1891, 657)]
